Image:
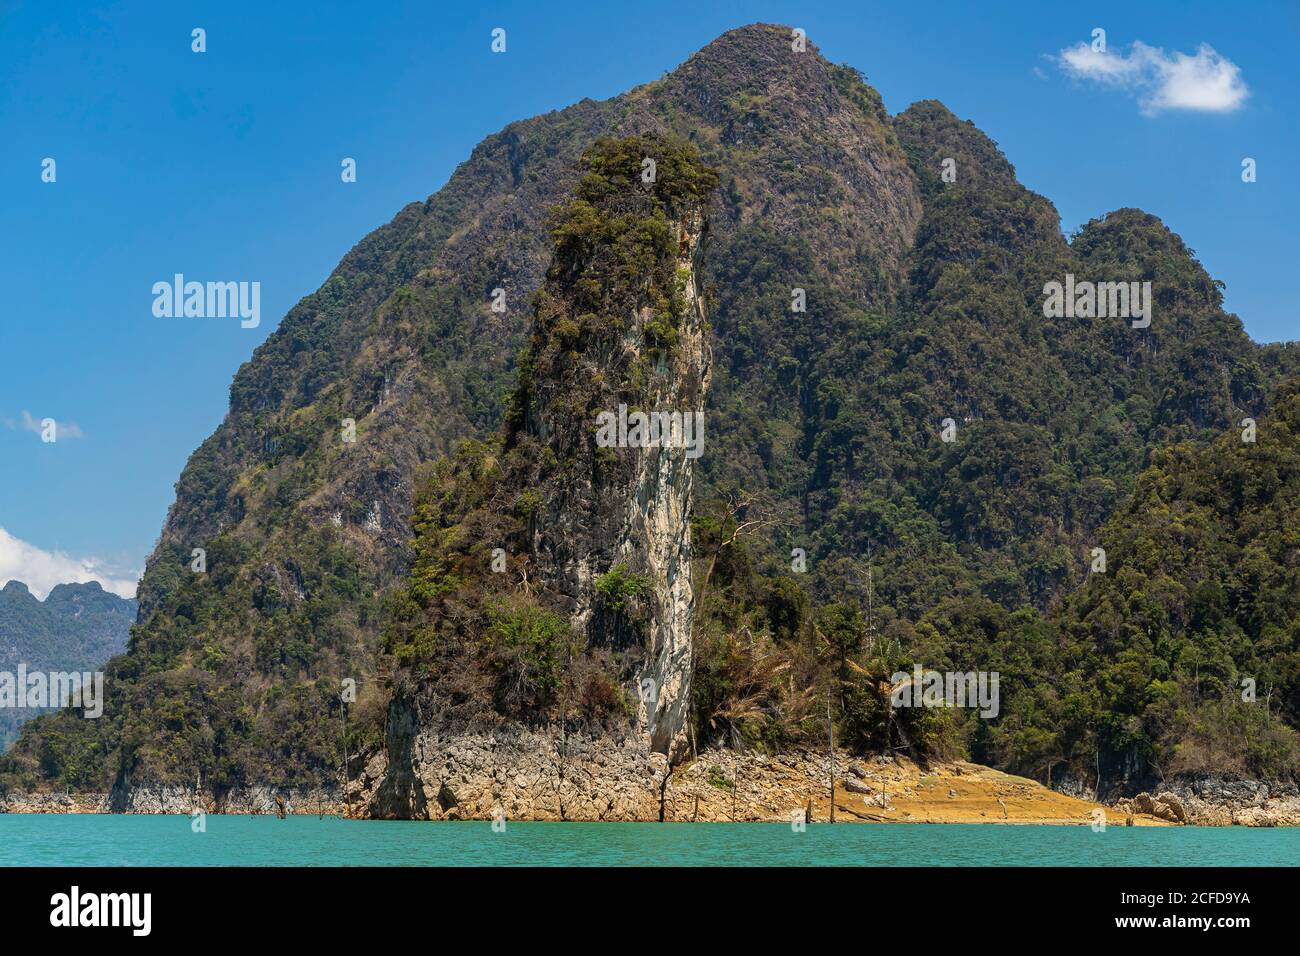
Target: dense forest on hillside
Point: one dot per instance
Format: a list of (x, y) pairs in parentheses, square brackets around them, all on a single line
[(1181, 657)]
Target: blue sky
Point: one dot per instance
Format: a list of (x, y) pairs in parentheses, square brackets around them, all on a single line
[(225, 165)]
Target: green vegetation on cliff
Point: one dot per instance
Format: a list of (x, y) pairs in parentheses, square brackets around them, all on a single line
[(483, 624)]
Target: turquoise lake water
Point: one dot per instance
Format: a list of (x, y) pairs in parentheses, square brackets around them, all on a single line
[(57, 840)]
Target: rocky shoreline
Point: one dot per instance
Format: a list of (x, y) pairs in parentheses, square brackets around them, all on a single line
[(477, 777), (1218, 802), (255, 801)]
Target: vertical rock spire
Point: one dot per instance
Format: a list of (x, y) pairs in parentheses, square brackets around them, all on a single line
[(614, 390)]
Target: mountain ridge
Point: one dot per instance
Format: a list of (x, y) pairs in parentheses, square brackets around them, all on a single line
[(923, 304)]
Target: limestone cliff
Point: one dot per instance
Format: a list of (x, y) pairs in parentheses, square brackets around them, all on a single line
[(629, 520), (552, 598)]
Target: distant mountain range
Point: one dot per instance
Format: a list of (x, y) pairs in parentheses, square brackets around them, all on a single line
[(78, 627)]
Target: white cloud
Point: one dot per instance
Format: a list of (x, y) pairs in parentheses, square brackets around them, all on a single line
[(40, 570), (1085, 63), (29, 423), (1203, 80)]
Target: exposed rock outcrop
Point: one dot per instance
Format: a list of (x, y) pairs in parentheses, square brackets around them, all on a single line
[(180, 800), (515, 774), (532, 774), (1220, 802), (634, 516)]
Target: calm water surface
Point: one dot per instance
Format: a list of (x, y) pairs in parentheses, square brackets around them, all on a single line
[(91, 840)]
